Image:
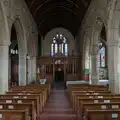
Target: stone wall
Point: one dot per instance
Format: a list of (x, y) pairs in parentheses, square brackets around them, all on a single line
[(101, 12), (18, 10)]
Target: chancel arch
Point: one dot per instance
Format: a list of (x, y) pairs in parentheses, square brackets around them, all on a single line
[(48, 40), (59, 57)]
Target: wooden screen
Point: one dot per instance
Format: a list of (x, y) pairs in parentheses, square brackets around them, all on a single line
[(70, 65)]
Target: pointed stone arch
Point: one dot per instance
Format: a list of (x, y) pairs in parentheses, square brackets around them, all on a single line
[(22, 49), (22, 43)]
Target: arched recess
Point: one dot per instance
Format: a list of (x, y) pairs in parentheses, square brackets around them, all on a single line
[(22, 43), (22, 51), (96, 37), (86, 58), (48, 39), (102, 57), (13, 59)]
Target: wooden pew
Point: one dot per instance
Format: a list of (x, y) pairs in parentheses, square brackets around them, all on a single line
[(85, 88), (17, 106), (24, 101), (48, 86), (21, 102), (102, 115), (30, 93), (14, 114), (93, 96), (35, 89), (42, 90), (45, 88), (90, 102), (97, 106)]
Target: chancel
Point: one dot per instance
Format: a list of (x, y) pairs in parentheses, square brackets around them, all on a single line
[(60, 59)]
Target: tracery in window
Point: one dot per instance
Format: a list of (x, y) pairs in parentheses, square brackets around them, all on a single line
[(59, 45)]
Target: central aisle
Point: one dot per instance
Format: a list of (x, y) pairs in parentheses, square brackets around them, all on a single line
[(58, 107)]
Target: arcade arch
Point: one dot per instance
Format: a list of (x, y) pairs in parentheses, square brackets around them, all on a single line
[(102, 57), (22, 55), (13, 58)]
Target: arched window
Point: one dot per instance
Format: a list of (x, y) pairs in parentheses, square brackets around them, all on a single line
[(59, 46), (101, 55)]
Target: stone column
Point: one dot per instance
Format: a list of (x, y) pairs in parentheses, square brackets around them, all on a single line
[(4, 60), (94, 65), (90, 69), (29, 71), (22, 70), (114, 66), (33, 69), (42, 46)]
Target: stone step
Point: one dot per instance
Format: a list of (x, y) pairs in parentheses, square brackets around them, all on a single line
[(60, 111), (44, 115), (57, 105), (56, 109)]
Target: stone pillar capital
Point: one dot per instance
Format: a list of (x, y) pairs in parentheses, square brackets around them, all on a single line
[(113, 43), (94, 50), (5, 43), (22, 56), (33, 57)]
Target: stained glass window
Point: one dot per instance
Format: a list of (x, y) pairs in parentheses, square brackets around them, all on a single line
[(66, 49), (59, 45), (101, 59), (56, 48)]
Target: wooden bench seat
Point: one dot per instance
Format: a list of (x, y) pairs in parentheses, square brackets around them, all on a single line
[(14, 114), (96, 106), (21, 102), (43, 92), (24, 99), (22, 106), (95, 100), (91, 101), (45, 88), (24, 102), (102, 115), (30, 93), (75, 97)]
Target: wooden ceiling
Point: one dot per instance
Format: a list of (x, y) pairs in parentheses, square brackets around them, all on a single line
[(50, 14)]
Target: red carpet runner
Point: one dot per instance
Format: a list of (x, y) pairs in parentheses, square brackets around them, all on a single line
[(58, 107)]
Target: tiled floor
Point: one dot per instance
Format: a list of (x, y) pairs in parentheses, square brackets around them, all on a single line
[(58, 107)]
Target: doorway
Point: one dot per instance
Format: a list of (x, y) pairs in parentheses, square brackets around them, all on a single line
[(59, 79)]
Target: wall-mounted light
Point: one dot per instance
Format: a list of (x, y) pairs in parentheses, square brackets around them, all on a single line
[(13, 52), (28, 57)]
